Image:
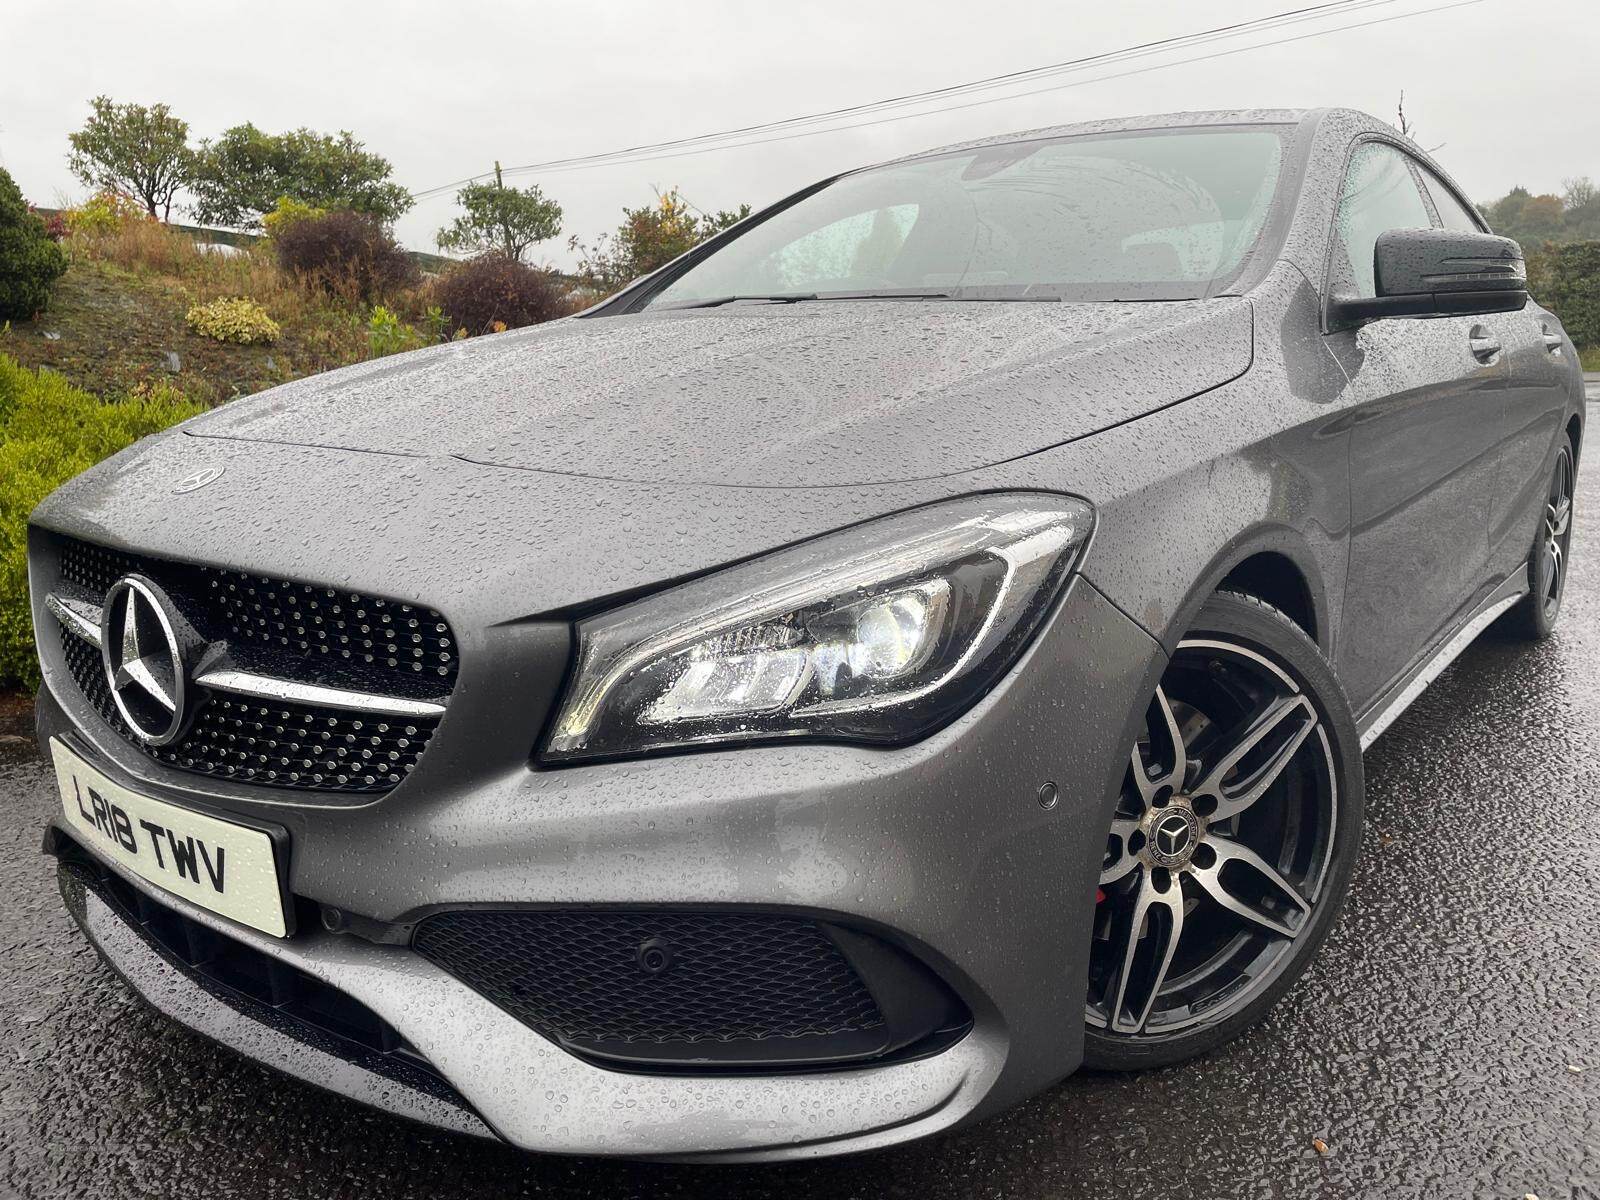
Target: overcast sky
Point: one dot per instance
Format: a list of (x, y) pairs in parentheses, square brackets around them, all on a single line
[(1510, 88)]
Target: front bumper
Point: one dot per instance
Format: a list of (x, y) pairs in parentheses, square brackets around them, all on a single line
[(942, 847)]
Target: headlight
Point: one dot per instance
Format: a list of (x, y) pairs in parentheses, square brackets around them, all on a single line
[(877, 633)]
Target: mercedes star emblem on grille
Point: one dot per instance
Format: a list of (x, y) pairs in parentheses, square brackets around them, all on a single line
[(144, 660)]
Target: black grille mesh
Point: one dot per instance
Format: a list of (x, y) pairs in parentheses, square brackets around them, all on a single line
[(577, 974), (282, 745), (332, 628), (318, 634)]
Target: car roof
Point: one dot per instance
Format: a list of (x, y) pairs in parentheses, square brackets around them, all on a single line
[(1351, 119)]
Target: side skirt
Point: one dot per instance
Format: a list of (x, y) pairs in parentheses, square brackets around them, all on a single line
[(1387, 708)]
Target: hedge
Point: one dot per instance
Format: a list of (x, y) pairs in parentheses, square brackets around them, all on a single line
[(1572, 289), (49, 432)]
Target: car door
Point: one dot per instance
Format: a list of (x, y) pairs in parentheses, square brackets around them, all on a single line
[(1426, 396), (1534, 401)]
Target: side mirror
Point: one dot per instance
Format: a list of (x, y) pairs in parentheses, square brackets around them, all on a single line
[(1437, 272)]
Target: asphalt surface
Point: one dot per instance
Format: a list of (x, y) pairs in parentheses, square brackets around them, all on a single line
[(1445, 1043)]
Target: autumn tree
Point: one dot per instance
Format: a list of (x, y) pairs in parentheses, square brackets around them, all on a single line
[(648, 238), (143, 151)]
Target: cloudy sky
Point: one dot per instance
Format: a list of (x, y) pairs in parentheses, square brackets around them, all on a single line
[(1511, 90)]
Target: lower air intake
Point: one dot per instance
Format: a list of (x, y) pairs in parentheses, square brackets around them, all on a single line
[(676, 988)]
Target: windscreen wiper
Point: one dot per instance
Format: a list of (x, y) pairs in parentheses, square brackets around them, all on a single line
[(718, 301), (797, 297)]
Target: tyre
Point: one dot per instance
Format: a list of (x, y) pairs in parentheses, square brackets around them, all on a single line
[(1233, 841), (1534, 616)]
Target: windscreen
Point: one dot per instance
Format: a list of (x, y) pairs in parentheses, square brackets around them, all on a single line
[(1163, 215)]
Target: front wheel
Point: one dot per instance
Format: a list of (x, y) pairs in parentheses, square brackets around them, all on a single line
[(1233, 841)]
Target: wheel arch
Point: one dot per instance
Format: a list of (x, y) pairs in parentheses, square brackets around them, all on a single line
[(1273, 564)]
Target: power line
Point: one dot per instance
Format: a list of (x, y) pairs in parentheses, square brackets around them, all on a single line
[(1021, 95), (1012, 77), (794, 127)]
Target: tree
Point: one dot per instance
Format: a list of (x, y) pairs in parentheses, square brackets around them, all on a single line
[(500, 219), (241, 176), (648, 238), (1579, 192), (1541, 217), (134, 149), (29, 261)]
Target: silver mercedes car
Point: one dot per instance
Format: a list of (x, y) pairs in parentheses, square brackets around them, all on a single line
[(918, 643)]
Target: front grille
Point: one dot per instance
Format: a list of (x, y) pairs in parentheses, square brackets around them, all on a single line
[(317, 635), (587, 977), (282, 745), (258, 985), (367, 636)]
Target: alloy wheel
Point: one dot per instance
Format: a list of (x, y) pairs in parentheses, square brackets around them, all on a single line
[(1555, 537), (1220, 847)]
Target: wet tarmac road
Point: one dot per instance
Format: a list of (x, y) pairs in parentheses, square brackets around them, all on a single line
[(1446, 1042)]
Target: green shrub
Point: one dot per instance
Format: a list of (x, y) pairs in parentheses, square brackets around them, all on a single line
[(49, 432), (1572, 289), (240, 320), (388, 334), (29, 261)]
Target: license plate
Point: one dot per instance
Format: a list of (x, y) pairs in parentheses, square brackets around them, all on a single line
[(228, 868)]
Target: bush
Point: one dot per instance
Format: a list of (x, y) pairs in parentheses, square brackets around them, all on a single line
[(289, 212), (49, 432), (346, 254), (495, 291), (1571, 289), (241, 320), (102, 214), (29, 261), (388, 334), (55, 225)]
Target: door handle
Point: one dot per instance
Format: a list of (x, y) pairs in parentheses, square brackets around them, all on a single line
[(1552, 341), (1484, 346)]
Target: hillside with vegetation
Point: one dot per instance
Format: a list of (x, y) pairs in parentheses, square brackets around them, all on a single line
[(115, 322)]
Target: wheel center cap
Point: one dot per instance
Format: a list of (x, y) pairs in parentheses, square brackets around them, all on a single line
[(1172, 835)]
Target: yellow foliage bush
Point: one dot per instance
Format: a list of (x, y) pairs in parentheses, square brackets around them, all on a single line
[(239, 320), (289, 212), (102, 213)]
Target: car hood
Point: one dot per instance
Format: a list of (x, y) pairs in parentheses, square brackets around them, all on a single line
[(782, 395)]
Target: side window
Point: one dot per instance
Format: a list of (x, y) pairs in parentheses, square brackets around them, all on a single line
[(1380, 194), (1452, 215)]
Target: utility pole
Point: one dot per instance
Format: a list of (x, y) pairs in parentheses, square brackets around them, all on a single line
[(498, 181)]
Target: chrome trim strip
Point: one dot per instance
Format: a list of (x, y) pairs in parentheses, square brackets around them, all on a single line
[(1502, 598), (78, 616), (246, 683), (81, 618)]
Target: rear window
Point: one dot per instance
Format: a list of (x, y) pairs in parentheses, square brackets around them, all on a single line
[(1169, 214)]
